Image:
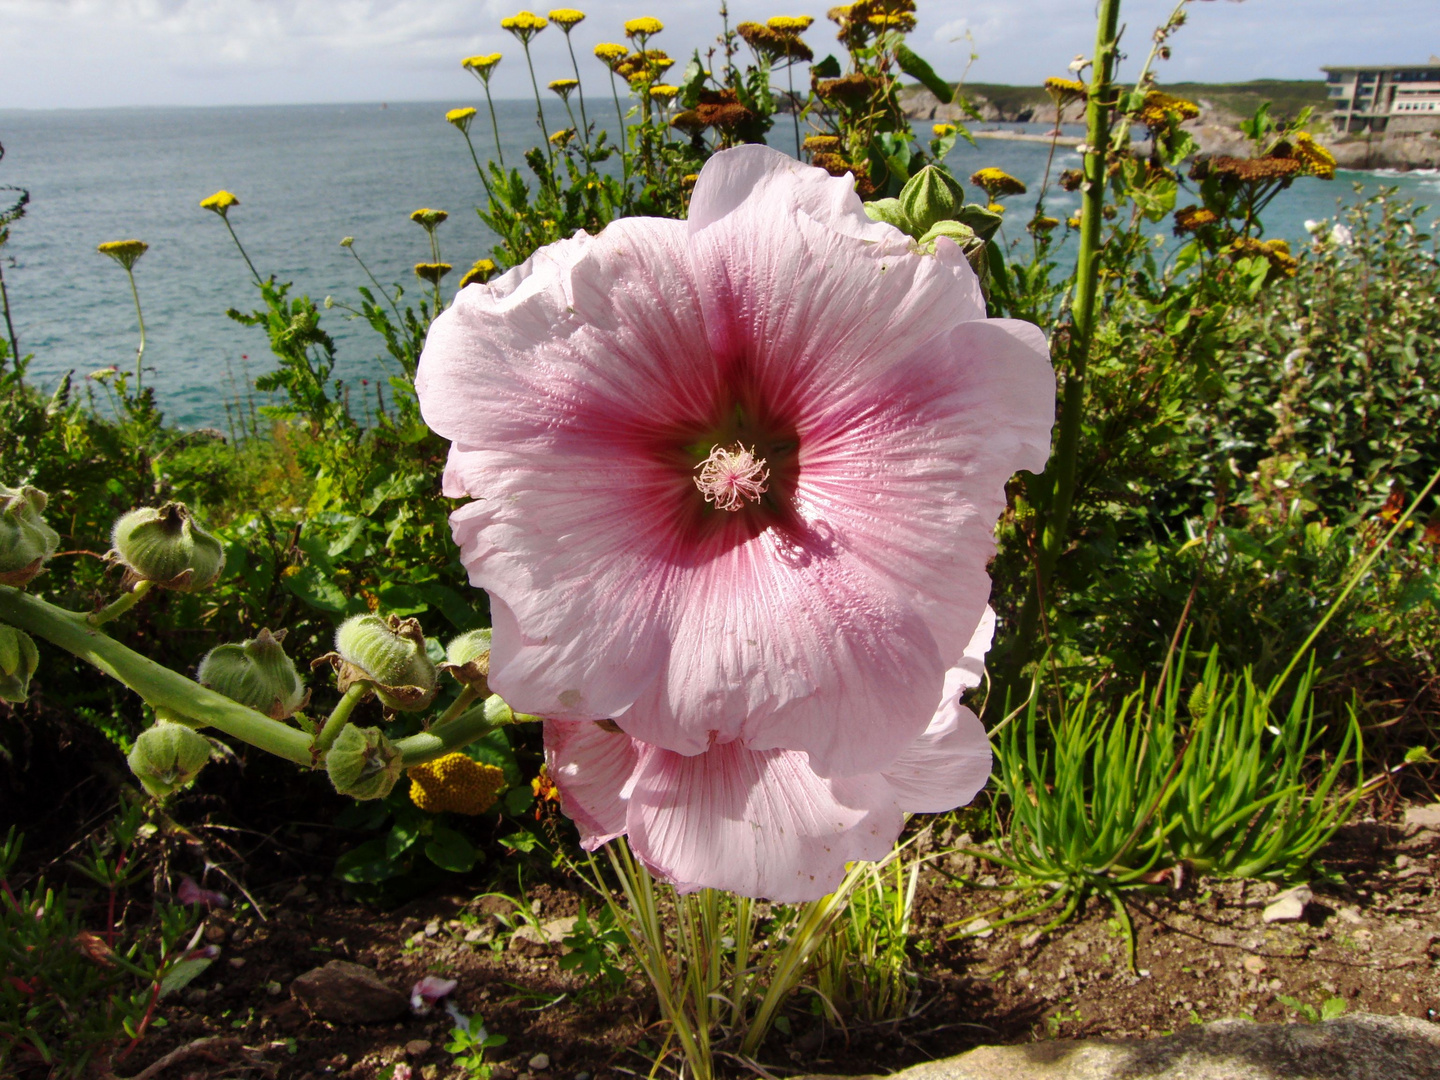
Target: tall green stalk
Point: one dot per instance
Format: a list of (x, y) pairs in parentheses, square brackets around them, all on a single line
[(1056, 494), (140, 318)]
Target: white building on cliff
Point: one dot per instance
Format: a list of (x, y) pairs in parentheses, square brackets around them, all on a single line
[(1392, 100)]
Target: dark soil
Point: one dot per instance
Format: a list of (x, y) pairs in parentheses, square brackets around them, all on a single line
[(1371, 938)]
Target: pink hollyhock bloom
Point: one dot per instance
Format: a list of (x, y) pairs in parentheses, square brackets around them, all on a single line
[(191, 893), (429, 990), (735, 480)]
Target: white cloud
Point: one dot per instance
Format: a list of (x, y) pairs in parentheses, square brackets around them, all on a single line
[(95, 52)]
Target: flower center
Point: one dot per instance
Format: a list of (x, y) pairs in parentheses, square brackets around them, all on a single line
[(731, 477)]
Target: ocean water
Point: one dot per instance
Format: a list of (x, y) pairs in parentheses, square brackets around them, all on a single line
[(306, 175)]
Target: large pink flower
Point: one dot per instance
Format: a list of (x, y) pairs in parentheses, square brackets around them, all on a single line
[(735, 480)]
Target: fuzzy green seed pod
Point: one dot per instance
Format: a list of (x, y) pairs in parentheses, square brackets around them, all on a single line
[(168, 546), (167, 756), (257, 674), (930, 196), (25, 540), (363, 763), (389, 653), (467, 659), (18, 661)]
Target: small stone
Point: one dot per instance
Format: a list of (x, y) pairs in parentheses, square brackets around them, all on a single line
[(215, 934), (539, 1063), (1402, 861), (237, 962), (273, 988), (1423, 817), (417, 938), (299, 892), (480, 935), (1289, 906), (1254, 964), (979, 928), (432, 928), (429, 1072), (348, 993), (1350, 914), (581, 1076), (416, 1047), (196, 995), (1031, 939)]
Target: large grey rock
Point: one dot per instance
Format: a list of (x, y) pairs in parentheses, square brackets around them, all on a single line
[(348, 993), (1359, 1047)]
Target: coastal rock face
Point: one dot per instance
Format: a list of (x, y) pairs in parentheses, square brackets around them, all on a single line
[(1386, 152), (1359, 1047)]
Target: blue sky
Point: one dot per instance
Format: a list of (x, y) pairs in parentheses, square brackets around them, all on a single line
[(86, 53)]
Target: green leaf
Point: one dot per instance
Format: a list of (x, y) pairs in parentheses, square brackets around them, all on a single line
[(493, 748), (518, 800), (400, 599), (182, 975), (449, 850), (520, 841), (367, 864), (829, 68), (317, 590), (401, 838), (924, 74)]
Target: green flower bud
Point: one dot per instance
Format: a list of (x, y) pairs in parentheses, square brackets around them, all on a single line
[(960, 233), (257, 674), (363, 763), (388, 652), (18, 661), (467, 659), (167, 756), (168, 546), (929, 196), (889, 212), (25, 540)]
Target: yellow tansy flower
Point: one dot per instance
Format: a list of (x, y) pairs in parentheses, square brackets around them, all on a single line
[(1065, 91), (1318, 161), (566, 17), (1159, 109), (478, 274), (662, 92), (943, 131), (643, 26), (563, 87), (524, 25), (126, 252), (460, 117), (790, 24), (562, 137), (427, 219), (609, 52), (997, 183), (456, 783), (481, 64), (220, 202), (432, 272), (822, 143)]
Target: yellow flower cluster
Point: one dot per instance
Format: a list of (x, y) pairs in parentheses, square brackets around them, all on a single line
[(822, 144), (566, 17), (1043, 225), (563, 87), (220, 202), (943, 131), (609, 52), (1318, 161), (1276, 252), (524, 25), (126, 252), (432, 272), (790, 24), (1065, 91), (456, 783), (1190, 218), (460, 117), (902, 21), (662, 92), (478, 274), (1160, 109), (481, 64), (997, 183), (543, 787), (426, 218), (643, 26), (562, 137)]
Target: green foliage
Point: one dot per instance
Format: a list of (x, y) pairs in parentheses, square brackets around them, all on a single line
[(468, 1042), (863, 968), (1106, 799), (595, 950), (79, 987)]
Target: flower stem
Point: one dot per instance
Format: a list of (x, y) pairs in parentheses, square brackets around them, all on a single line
[(624, 139), (579, 89), (449, 733), (254, 273), (161, 687), (9, 324), (1057, 486), (120, 605), (467, 697), (338, 718), (140, 318), (540, 112), (495, 127)]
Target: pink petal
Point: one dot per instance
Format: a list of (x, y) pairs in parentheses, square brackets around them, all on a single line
[(946, 767), (191, 893), (590, 766), (425, 993), (755, 823), (788, 643), (759, 175)]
